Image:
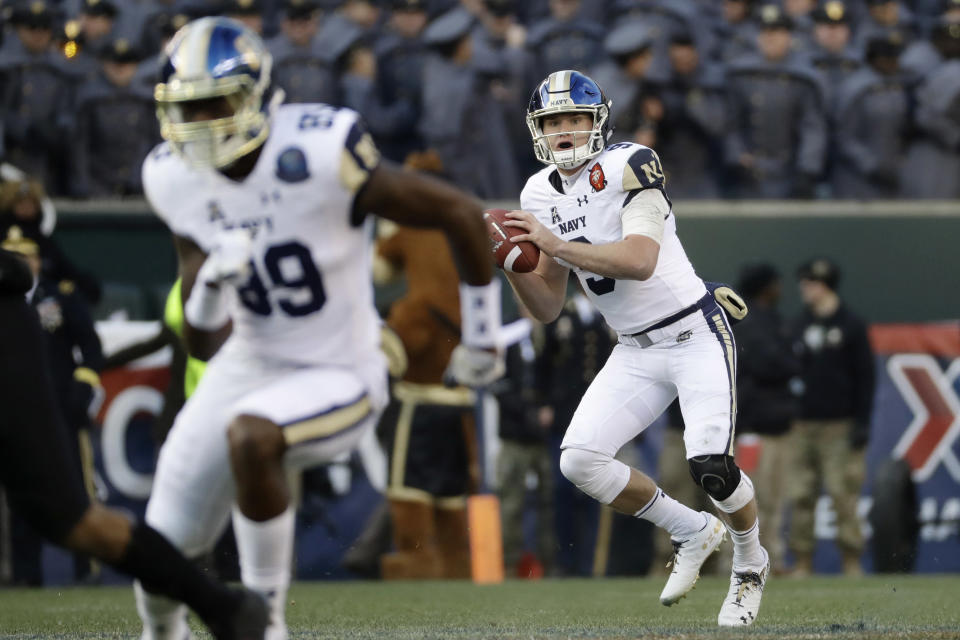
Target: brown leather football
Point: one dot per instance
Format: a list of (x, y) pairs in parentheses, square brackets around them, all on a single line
[(520, 257)]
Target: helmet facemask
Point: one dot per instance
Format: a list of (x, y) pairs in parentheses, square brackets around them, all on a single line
[(586, 144)]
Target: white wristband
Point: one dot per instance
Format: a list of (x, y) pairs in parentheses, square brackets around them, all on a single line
[(206, 308), (480, 314)]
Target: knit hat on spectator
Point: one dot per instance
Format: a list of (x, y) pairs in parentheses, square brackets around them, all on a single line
[(821, 270), (755, 277)]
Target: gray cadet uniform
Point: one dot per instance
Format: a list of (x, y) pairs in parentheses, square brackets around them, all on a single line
[(834, 66), (35, 94), (305, 73), (871, 124), (460, 119), (935, 155), (572, 44), (114, 128), (732, 41), (776, 114), (660, 19), (690, 135), (400, 68), (625, 91), (515, 66)]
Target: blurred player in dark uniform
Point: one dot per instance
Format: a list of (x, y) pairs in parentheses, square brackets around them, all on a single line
[(37, 472)]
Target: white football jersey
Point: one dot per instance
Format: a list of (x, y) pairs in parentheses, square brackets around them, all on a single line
[(310, 297), (588, 210)]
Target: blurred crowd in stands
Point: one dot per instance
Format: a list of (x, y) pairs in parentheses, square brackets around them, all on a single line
[(741, 98)]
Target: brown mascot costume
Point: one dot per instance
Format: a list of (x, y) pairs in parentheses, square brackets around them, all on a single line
[(431, 427)]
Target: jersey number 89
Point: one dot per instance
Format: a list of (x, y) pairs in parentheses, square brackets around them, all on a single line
[(288, 266)]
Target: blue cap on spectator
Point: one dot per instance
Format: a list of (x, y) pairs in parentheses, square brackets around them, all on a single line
[(449, 27), (629, 37)]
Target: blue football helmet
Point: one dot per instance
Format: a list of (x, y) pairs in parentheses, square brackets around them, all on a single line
[(564, 92), (212, 58)]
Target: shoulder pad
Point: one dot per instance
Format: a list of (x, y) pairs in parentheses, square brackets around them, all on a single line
[(360, 157), (643, 170)]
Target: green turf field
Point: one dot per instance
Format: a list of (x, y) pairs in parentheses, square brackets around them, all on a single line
[(909, 607)]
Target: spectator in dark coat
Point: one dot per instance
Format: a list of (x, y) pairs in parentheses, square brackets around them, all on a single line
[(766, 405), (829, 440)]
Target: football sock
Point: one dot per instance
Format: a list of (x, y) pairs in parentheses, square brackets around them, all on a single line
[(748, 555), (161, 569), (266, 552), (678, 520)]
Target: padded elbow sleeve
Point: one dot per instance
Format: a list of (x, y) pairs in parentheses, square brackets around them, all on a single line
[(599, 476)]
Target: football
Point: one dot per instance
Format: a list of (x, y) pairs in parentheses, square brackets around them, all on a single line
[(521, 257)]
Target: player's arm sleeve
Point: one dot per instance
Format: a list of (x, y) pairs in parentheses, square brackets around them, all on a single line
[(358, 160), (645, 215)]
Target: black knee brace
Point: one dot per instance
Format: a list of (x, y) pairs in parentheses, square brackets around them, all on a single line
[(718, 474)]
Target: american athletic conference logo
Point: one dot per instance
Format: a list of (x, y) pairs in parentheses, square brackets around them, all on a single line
[(929, 392)]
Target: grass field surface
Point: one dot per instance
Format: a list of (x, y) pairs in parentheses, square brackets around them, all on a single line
[(910, 607)]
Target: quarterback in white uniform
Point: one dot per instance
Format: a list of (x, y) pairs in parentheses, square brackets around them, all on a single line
[(266, 204), (602, 212)]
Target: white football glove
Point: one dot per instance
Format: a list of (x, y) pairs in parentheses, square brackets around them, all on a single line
[(475, 366), (229, 259)]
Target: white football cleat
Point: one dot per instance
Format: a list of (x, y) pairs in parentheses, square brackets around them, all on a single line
[(688, 556), (742, 604)]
